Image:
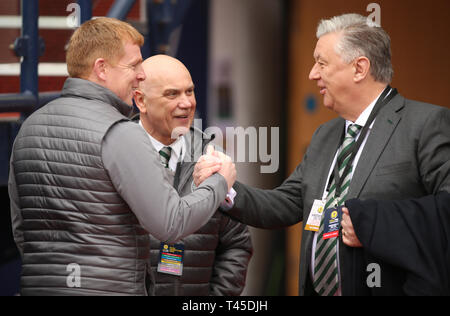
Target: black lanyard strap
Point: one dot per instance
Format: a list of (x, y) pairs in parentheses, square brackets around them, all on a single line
[(353, 150)]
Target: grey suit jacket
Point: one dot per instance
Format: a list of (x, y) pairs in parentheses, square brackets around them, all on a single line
[(407, 155)]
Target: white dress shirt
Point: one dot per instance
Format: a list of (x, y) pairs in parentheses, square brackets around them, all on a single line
[(178, 149)]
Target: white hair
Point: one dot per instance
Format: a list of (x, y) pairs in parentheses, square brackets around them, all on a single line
[(361, 37)]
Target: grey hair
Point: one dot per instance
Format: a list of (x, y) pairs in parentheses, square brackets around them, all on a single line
[(361, 37)]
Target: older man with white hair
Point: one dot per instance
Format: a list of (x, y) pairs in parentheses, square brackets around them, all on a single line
[(382, 146)]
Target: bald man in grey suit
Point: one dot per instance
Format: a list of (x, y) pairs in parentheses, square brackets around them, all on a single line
[(402, 150)]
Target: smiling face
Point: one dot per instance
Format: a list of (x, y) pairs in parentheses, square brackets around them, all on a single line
[(166, 99), (334, 77), (123, 76)]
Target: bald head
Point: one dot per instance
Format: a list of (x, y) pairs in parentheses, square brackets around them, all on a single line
[(161, 69), (166, 98)]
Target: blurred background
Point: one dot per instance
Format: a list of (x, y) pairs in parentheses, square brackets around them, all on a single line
[(249, 60)]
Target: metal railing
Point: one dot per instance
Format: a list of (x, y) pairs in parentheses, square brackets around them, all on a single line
[(27, 47), (163, 16)]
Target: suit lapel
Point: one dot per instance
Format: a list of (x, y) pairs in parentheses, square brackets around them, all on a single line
[(195, 147), (379, 136), (330, 147), (186, 167)]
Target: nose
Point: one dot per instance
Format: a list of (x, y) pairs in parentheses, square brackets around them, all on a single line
[(314, 73), (186, 101), (140, 73)]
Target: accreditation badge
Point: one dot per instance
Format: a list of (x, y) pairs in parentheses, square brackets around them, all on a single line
[(171, 259), (315, 216), (332, 222)]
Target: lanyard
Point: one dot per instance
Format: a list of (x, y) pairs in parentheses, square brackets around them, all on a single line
[(353, 150)]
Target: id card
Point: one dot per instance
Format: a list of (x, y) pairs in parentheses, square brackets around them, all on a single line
[(332, 222), (315, 216), (171, 259)]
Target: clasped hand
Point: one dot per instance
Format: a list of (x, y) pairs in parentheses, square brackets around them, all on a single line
[(214, 161)]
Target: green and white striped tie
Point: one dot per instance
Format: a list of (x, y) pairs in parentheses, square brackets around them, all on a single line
[(326, 278), (164, 155)]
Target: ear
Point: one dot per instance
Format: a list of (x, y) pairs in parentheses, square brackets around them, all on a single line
[(100, 69), (361, 68), (139, 100)]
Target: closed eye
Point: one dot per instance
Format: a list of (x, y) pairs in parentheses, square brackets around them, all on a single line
[(190, 91), (171, 93)]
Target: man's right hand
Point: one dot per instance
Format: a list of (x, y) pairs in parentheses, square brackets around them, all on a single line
[(212, 162), (228, 169)]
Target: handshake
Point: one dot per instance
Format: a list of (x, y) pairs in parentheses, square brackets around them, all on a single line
[(214, 161)]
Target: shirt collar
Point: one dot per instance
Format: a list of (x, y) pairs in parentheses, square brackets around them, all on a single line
[(178, 146), (364, 116)]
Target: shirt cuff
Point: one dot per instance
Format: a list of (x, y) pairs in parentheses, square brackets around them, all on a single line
[(229, 201)]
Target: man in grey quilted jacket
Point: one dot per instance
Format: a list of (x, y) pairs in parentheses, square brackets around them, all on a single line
[(86, 185), (214, 259)]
